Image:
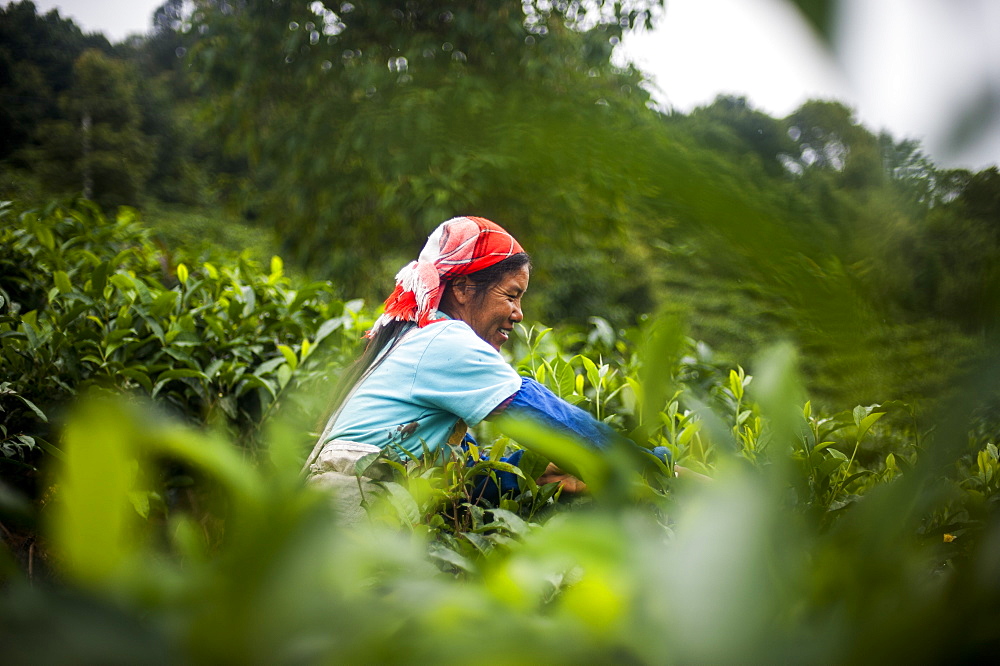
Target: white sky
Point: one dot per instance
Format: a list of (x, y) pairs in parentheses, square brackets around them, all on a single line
[(909, 66)]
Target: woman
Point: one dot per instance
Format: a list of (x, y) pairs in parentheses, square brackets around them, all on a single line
[(432, 367)]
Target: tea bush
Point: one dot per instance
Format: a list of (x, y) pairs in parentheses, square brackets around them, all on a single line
[(747, 567), (88, 302)]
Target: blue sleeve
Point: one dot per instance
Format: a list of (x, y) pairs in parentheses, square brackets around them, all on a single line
[(537, 403)]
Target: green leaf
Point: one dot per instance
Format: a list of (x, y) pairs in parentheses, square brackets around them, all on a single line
[(664, 339), (45, 237), (62, 282), (828, 466), (511, 521), (94, 523), (139, 377), (284, 375), (735, 385), (857, 475), (484, 465), (591, 369), (34, 408), (867, 422), (362, 464), (179, 373), (481, 543), (401, 500), (859, 413), (140, 502), (449, 556), (118, 336), (121, 256), (822, 445), (213, 368), (688, 433), (163, 304), (29, 331), (99, 279), (289, 354), (819, 14), (50, 449), (269, 365), (326, 328), (254, 381)]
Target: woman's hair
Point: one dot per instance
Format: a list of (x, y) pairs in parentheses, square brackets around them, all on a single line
[(491, 276), (483, 280)]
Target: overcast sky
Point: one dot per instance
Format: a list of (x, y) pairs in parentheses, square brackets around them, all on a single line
[(913, 67)]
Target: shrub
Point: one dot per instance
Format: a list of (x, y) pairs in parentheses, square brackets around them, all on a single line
[(89, 302)]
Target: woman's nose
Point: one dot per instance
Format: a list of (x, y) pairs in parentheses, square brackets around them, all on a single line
[(517, 315)]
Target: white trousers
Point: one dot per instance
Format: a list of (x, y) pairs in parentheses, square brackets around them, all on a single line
[(333, 470)]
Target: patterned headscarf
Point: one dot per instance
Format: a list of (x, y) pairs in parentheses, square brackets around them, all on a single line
[(460, 246)]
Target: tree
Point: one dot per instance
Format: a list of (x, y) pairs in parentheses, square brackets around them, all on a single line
[(368, 125), (36, 66), (730, 125), (964, 235), (99, 149), (829, 139)]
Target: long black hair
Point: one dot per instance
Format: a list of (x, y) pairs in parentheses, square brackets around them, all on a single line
[(483, 280)]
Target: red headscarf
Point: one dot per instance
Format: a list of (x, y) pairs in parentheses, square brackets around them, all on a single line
[(460, 246)]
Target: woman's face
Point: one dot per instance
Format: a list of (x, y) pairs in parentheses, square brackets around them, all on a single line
[(493, 315)]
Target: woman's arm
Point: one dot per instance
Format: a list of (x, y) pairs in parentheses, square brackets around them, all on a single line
[(537, 403)]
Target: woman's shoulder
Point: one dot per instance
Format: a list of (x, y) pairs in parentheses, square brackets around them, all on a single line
[(447, 332), (447, 344)]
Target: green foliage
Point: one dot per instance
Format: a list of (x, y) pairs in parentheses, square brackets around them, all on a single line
[(208, 234), (37, 53), (505, 100), (98, 149), (745, 567), (252, 565), (89, 302), (829, 534), (746, 223)]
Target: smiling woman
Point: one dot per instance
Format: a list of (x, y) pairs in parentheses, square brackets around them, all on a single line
[(432, 367)]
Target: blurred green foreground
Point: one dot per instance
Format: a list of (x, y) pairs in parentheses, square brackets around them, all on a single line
[(751, 567)]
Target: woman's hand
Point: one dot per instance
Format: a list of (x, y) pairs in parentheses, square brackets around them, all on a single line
[(569, 484)]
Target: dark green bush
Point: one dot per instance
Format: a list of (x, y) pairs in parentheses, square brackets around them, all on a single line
[(91, 303)]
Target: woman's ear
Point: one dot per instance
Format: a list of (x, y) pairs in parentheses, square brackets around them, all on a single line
[(461, 289)]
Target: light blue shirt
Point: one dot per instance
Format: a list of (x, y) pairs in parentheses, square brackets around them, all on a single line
[(435, 377)]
